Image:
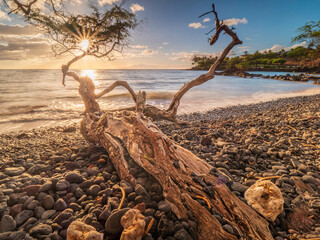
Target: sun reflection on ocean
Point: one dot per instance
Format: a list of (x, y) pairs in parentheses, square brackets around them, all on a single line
[(93, 75)]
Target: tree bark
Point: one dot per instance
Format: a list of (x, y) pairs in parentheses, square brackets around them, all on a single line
[(148, 147), (130, 135)]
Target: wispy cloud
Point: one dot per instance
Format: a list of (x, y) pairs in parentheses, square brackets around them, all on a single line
[(187, 56), (235, 21), (278, 48), (104, 2), (139, 46), (136, 7), (196, 25), (165, 43), (206, 20), (4, 16)]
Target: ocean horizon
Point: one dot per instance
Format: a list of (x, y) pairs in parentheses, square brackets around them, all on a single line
[(32, 98)]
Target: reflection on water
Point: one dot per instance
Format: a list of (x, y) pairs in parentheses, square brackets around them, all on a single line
[(38, 95)]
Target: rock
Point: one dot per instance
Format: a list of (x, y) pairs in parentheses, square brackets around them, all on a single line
[(69, 129), (113, 225), (23, 216), (94, 190), (60, 205), (38, 211), (134, 224), (236, 186), (40, 229), (32, 189), (141, 191), (62, 185), (16, 209), (64, 215), (48, 202), (47, 214), (7, 224), (14, 171), (46, 186), (18, 235), (127, 187), (310, 179), (189, 135), (182, 234), (74, 177), (163, 206), (206, 141), (81, 231), (266, 198)]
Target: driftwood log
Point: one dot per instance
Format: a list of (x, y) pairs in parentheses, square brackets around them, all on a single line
[(131, 134)]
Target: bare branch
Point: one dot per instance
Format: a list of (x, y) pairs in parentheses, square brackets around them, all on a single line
[(220, 27), (116, 84), (65, 68)]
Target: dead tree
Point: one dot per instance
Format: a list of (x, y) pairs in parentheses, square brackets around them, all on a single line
[(132, 131), (131, 134)]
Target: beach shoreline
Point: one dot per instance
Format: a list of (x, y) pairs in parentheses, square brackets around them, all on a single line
[(242, 144)]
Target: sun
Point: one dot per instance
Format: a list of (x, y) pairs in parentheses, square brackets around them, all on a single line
[(84, 44)]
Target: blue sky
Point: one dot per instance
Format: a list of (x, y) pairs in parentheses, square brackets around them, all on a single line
[(171, 32)]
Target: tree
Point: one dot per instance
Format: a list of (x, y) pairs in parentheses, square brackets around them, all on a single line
[(309, 33), (130, 138)]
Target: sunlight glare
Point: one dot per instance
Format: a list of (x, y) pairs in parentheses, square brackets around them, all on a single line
[(91, 74), (84, 44), (88, 73)]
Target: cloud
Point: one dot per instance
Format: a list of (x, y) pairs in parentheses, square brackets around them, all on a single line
[(196, 25), (278, 48), (165, 43), (22, 42), (235, 21), (17, 30), (136, 7), (187, 56), (104, 2), (139, 46), (4, 16), (206, 20)]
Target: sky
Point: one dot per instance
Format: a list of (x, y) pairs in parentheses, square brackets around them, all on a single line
[(170, 33)]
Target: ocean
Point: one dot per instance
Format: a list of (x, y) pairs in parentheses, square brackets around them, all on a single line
[(36, 98)]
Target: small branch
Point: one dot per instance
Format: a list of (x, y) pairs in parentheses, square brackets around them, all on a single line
[(220, 27), (65, 68), (116, 84)]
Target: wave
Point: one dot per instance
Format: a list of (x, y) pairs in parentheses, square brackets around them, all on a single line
[(150, 95)]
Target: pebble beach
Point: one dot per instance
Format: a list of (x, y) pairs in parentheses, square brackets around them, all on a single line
[(51, 177)]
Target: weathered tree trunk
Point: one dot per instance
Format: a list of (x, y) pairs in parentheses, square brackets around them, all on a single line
[(130, 135), (131, 132)]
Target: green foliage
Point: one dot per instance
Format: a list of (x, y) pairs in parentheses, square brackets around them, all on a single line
[(106, 29), (310, 33)]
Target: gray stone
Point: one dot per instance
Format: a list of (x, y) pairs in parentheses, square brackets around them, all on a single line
[(60, 205), (7, 224), (14, 171), (48, 202), (74, 177), (94, 190), (46, 186), (62, 185), (47, 214), (163, 206), (23, 216), (18, 235), (40, 229), (38, 211), (236, 186), (127, 187), (113, 225), (182, 234)]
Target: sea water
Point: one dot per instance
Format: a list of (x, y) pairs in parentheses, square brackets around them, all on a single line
[(36, 98)]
